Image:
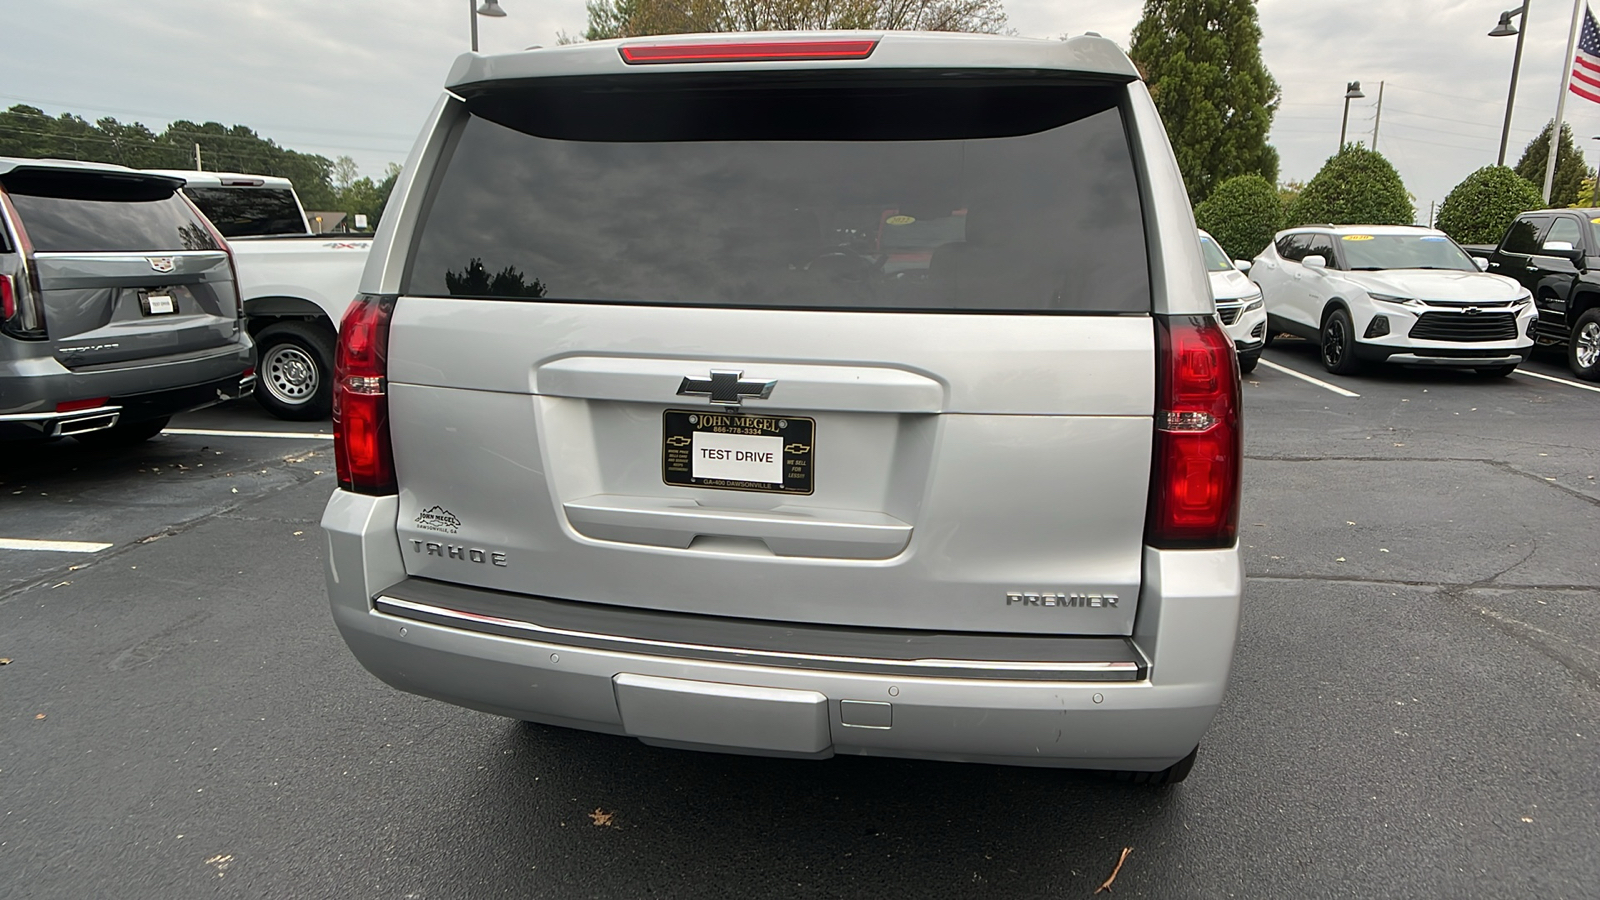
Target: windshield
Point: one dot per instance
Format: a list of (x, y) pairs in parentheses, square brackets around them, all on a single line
[(242, 211), (1216, 260), (1369, 252), (904, 197)]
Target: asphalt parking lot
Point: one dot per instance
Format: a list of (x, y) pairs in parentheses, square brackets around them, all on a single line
[(1414, 712)]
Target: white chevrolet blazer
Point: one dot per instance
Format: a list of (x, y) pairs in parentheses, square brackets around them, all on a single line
[(797, 395)]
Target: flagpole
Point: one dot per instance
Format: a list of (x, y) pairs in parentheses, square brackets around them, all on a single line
[(1561, 103)]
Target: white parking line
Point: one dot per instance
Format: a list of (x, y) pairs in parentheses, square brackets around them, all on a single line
[(1307, 378), (58, 546), (1582, 387), (213, 432)]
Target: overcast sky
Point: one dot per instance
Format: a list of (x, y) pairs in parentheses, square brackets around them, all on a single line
[(356, 77)]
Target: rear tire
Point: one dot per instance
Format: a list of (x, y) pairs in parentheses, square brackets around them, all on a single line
[(1339, 344), (1583, 347), (294, 372), (1247, 362), (123, 434), (1172, 774), (1496, 371)]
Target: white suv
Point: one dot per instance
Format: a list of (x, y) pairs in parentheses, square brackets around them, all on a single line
[(1238, 302), (1395, 294), (796, 394)]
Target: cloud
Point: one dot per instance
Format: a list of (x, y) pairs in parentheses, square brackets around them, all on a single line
[(358, 77)]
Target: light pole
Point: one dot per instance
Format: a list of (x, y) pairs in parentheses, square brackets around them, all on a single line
[(490, 8), (1352, 91), (1506, 29)]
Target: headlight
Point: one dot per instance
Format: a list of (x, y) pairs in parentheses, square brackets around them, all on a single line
[(1253, 304), (1522, 301), (1390, 298)]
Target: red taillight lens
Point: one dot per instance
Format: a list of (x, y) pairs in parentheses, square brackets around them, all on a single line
[(1194, 485), (363, 455), (8, 298), (744, 51)]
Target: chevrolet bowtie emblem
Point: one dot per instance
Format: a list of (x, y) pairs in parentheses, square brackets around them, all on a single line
[(726, 387)]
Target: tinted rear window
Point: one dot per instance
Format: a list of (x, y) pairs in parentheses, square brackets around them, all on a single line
[(238, 212), (77, 212), (972, 195)]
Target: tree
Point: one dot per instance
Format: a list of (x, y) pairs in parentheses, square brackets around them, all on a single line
[(633, 18), (1479, 209), (322, 183), (1570, 169), (1202, 61), (1243, 214), (1357, 186), (345, 172)]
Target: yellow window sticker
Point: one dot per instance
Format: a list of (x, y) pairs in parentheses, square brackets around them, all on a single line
[(1356, 237), (900, 220)]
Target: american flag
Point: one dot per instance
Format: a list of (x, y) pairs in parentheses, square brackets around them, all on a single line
[(1586, 66)]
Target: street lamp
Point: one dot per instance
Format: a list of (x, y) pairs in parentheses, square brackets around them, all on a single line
[(1506, 29), (490, 8), (1352, 91)]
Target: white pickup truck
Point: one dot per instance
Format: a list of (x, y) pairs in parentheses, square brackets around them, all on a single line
[(295, 284)]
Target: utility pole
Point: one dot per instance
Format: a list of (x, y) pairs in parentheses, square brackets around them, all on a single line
[(1378, 118), (197, 156)]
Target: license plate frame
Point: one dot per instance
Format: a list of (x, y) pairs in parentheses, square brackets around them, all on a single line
[(797, 464), (158, 303)]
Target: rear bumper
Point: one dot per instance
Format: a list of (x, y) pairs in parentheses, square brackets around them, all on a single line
[(30, 390), (754, 702)]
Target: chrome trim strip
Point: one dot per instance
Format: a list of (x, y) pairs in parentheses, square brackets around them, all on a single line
[(52, 416), (1419, 358), (1127, 671)]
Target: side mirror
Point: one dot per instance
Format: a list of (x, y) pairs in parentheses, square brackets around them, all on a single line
[(1563, 249), (1242, 265), (1315, 261), (1481, 263)]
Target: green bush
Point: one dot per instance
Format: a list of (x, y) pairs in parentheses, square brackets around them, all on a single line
[(1243, 214), (1356, 187), (1479, 209)]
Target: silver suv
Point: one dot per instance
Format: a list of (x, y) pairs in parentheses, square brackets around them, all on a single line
[(797, 395), (118, 304)]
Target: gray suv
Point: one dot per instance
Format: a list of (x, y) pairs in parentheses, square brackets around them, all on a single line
[(797, 395), (118, 304)]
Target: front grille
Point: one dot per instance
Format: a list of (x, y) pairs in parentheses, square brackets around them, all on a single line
[(1229, 314), (1439, 326), (1463, 304)]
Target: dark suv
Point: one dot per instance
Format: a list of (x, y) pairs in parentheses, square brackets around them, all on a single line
[(118, 304)]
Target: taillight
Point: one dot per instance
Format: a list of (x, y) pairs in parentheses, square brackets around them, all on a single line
[(363, 455), (23, 313), (670, 51), (1194, 482)]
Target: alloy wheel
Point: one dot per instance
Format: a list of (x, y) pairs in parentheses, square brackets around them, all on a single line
[(1588, 344), (1333, 342)]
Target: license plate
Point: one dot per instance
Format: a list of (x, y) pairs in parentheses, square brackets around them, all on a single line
[(734, 452), (158, 304)]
